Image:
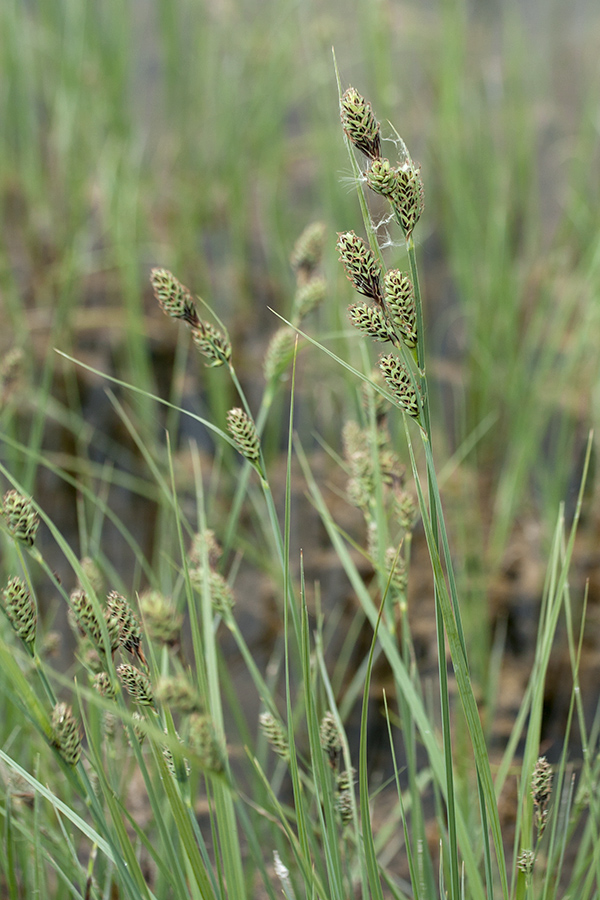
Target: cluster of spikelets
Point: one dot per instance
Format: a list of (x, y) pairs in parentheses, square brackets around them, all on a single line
[(371, 461), (331, 744), (541, 791), (391, 314), (310, 292), (105, 628)]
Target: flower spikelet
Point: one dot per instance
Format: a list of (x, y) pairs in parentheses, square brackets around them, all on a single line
[(203, 740), (308, 296), (20, 609), (279, 353), (136, 683), (174, 298), (178, 693), (21, 518), (400, 301), (205, 541), (162, 621), (85, 620), (212, 343), (398, 381), (370, 320), (331, 741), (360, 124), (66, 735), (361, 267), (275, 734), (382, 178), (308, 250), (407, 199), (541, 788), (130, 635), (221, 595), (243, 431)]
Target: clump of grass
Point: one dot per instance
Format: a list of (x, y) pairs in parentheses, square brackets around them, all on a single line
[(158, 716)]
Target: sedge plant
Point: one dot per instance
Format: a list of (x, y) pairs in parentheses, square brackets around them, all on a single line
[(140, 772)]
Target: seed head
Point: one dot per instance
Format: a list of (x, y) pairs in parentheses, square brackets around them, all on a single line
[(361, 267), (541, 788), (398, 381), (130, 635), (308, 296), (526, 861), (66, 735), (221, 595), (279, 353), (84, 619), (212, 343), (205, 540), (178, 693), (274, 732), (136, 683), (331, 741), (359, 123), (162, 621), (407, 200), (370, 320), (203, 740), (104, 685), (308, 250), (243, 431), (400, 301), (20, 516), (382, 178), (20, 609), (174, 298)]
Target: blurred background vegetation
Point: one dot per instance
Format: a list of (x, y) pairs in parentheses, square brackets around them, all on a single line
[(205, 136)]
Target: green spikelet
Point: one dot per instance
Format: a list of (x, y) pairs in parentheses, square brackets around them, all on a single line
[(308, 250), (243, 431), (359, 123), (66, 735), (398, 381), (212, 343), (361, 267), (21, 519), (20, 609), (173, 297), (136, 683), (279, 354), (162, 621)]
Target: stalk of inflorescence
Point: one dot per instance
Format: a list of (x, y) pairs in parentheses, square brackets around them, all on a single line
[(394, 315)]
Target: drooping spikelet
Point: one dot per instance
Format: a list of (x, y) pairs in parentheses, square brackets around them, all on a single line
[(541, 789), (178, 693)]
